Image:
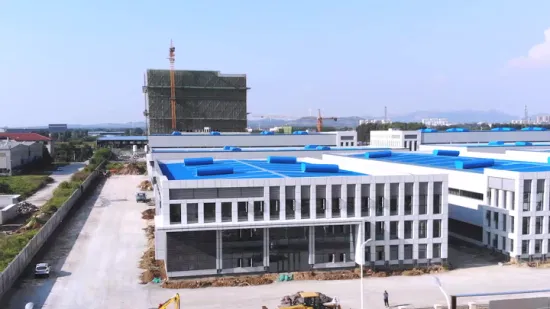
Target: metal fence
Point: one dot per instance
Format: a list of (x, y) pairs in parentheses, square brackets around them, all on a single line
[(22, 260)]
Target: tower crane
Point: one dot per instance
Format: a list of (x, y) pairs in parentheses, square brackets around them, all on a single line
[(172, 59), (320, 120)]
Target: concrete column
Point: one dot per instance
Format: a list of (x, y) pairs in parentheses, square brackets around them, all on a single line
[(416, 188), (546, 196), (401, 201), (183, 213), (494, 197), (311, 245), (201, 212), (358, 200), (250, 209), (386, 201), (218, 212), (234, 212), (344, 201), (430, 200), (501, 199), (509, 200), (298, 202), (219, 250), (329, 201), (266, 247), (312, 202), (282, 203), (533, 195)]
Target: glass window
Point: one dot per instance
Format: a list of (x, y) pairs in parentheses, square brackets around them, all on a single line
[(408, 250), (380, 256), (540, 194), (274, 210), (525, 247), (422, 228), (258, 211), (394, 252), (192, 213), (379, 230), (242, 211), (504, 218), (526, 195), (175, 213), (436, 228), (394, 227), (538, 224), (538, 245), (209, 212), (227, 212), (422, 251), (408, 229), (525, 230), (436, 251)]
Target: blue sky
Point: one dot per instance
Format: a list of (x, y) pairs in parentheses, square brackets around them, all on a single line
[(83, 61)]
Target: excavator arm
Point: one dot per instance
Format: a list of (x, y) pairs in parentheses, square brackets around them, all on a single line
[(175, 300)]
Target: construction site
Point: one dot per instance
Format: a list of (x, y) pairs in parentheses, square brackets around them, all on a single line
[(190, 101)]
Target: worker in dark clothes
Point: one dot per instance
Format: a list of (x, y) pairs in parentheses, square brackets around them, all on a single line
[(386, 301)]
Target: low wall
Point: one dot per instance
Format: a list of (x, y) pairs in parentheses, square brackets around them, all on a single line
[(7, 213), (22, 260)]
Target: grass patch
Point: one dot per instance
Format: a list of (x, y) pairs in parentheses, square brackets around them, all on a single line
[(25, 185), (11, 245)]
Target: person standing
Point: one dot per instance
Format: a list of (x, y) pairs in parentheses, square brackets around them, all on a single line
[(386, 301)]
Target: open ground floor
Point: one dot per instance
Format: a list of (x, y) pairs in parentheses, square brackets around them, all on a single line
[(288, 249)]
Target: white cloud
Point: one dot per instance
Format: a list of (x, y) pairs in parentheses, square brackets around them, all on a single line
[(537, 57)]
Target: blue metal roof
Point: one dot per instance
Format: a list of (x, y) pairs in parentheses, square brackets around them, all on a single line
[(507, 144), (260, 149), (245, 169), (122, 138), (444, 162)]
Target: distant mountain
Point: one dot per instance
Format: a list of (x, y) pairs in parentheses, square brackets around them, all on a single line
[(464, 116)]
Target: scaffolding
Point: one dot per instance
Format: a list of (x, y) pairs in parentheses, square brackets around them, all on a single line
[(203, 99)]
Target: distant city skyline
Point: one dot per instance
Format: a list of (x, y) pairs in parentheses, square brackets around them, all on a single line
[(83, 62)]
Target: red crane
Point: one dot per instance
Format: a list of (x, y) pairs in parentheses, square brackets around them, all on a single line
[(320, 120), (172, 59)]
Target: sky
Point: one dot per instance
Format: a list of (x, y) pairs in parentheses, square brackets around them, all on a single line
[(82, 62)]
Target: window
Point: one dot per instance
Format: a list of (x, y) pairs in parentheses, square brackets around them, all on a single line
[(526, 195), (495, 219), (274, 210), (538, 246), (512, 224), (336, 207), (503, 240), (540, 194), (258, 210), (422, 251), (436, 251), (408, 252), (394, 194), (192, 213), (365, 207), (320, 208), (512, 245), (422, 228), (468, 194), (380, 256), (488, 217), (488, 242), (175, 213), (367, 231), (379, 230), (379, 199), (495, 241), (538, 225), (436, 228), (504, 218), (209, 212), (290, 209), (351, 207), (437, 204), (226, 211), (408, 198), (408, 229), (525, 226), (394, 227), (394, 252), (242, 211), (525, 247)]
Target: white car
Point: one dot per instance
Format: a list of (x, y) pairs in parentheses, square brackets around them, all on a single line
[(42, 269)]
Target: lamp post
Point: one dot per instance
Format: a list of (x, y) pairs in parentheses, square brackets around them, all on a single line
[(361, 263), (438, 283)]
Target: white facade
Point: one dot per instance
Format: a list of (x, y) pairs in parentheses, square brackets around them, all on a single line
[(395, 139), (404, 215), (8, 207), (14, 155), (504, 210), (436, 122), (196, 140)]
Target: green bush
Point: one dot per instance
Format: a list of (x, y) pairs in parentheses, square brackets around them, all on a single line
[(25, 185)]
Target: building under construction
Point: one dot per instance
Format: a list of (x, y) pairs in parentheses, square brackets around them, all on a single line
[(203, 99)]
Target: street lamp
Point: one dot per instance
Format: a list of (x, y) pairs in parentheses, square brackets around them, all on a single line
[(361, 262), (438, 283)]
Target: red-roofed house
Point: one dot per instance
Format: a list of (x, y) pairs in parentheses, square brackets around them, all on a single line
[(24, 137), (20, 149)]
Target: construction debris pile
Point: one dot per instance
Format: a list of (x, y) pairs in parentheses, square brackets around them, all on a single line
[(221, 282), (134, 168), (148, 214), (145, 185), (26, 208), (296, 299), (152, 268)]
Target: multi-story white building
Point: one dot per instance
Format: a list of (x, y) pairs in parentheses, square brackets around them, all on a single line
[(413, 139), (498, 203), (15, 155), (436, 122), (293, 214)]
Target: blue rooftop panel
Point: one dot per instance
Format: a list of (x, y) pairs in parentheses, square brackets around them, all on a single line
[(446, 162), (267, 149), (245, 169)]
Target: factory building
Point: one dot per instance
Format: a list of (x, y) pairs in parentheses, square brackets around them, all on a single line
[(284, 214), (498, 203), (15, 155), (203, 99), (413, 139)]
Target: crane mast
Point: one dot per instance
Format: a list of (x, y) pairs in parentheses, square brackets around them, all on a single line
[(172, 58)]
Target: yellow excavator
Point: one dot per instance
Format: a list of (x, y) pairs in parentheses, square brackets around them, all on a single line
[(311, 300), (174, 300)]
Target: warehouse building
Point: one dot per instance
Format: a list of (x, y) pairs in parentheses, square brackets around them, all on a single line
[(16, 155), (413, 139), (497, 203), (284, 214)]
